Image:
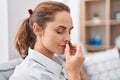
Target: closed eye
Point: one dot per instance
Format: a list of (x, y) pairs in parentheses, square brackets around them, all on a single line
[(60, 31)]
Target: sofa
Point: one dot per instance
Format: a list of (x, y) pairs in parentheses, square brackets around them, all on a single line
[(6, 69), (103, 65)]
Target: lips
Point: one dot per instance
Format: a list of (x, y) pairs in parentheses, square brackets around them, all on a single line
[(63, 46)]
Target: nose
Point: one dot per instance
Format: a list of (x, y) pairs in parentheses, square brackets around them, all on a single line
[(67, 37)]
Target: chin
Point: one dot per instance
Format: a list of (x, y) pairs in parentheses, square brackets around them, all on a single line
[(60, 52)]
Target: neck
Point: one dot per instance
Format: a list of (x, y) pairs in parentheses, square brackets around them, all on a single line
[(43, 50)]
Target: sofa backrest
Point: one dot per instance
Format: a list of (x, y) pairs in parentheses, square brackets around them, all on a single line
[(6, 69)]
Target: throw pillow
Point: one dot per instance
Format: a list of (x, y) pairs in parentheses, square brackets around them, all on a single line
[(104, 65)]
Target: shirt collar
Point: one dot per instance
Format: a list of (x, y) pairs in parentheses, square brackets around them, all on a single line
[(51, 65)]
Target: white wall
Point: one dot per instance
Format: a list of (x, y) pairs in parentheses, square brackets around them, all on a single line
[(3, 31)]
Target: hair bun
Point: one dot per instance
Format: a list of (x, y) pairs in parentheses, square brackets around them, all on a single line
[(30, 12)]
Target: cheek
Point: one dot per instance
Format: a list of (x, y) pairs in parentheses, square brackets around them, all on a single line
[(49, 39), (52, 37)]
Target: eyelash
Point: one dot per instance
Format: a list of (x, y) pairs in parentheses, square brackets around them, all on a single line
[(62, 32), (59, 32)]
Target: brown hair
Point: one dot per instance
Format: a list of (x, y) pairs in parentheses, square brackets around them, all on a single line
[(43, 13)]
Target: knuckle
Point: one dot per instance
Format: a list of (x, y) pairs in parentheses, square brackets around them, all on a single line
[(81, 57)]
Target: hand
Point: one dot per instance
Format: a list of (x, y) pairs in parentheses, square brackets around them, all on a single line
[(74, 60)]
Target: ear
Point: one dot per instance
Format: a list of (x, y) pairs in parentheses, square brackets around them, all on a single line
[(36, 29)]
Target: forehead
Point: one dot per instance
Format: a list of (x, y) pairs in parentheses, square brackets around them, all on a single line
[(61, 19)]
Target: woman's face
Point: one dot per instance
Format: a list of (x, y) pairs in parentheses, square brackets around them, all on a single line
[(57, 33)]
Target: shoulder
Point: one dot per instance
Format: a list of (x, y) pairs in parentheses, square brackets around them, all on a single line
[(30, 70), (32, 75)]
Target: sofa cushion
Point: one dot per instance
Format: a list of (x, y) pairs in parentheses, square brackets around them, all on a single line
[(6, 69), (103, 65)]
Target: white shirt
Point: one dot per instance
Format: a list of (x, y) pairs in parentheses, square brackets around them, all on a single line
[(36, 66)]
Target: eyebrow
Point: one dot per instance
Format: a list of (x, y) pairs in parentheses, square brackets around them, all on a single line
[(61, 26), (65, 27)]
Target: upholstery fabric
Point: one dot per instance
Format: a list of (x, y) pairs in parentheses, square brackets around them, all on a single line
[(103, 65), (6, 69)]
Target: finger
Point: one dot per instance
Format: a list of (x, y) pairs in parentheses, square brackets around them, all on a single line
[(79, 53), (67, 49), (73, 51), (78, 50)]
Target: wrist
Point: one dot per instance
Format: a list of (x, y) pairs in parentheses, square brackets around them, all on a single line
[(74, 76)]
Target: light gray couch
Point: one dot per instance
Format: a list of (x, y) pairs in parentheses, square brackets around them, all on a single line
[(6, 69)]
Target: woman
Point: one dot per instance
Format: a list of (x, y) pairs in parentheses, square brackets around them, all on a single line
[(44, 33)]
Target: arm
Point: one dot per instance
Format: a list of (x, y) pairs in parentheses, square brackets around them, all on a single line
[(83, 75)]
